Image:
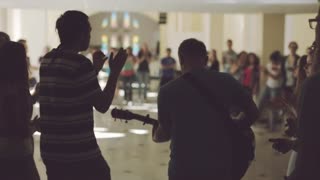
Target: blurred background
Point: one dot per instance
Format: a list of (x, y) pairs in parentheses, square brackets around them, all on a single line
[(257, 26)]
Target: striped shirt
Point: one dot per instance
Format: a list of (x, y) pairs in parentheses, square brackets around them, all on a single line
[(67, 81)]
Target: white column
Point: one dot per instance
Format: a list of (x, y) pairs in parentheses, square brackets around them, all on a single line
[(217, 33), (234, 25), (297, 29), (273, 34), (253, 31), (3, 19)]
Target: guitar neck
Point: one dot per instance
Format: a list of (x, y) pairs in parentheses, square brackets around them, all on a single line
[(144, 119)]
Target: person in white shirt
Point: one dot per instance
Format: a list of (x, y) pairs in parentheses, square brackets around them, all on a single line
[(274, 82)]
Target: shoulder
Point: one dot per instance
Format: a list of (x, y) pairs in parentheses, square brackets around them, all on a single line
[(313, 81), (67, 55)]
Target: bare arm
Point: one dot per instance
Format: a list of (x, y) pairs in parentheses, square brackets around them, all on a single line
[(102, 100), (161, 132)]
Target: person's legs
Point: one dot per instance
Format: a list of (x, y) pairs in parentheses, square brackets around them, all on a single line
[(125, 87), (274, 94), (139, 77), (96, 169), (264, 97), (23, 168), (129, 86), (145, 80)]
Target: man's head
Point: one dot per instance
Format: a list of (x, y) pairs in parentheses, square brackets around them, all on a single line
[(4, 38), (192, 55), (168, 51), (74, 30), (129, 50), (276, 57), (229, 44), (24, 43), (293, 46)]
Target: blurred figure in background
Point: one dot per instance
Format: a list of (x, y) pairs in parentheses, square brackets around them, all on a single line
[(144, 57), (16, 127), (228, 57), (290, 63), (238, 66), (127, 75), (168, 68), (251, 79), (32, 79), (272, 91), (213, 61)]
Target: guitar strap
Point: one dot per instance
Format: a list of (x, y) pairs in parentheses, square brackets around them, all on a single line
[(209, 96)]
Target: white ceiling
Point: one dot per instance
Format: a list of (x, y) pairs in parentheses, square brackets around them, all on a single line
[(213, 6)]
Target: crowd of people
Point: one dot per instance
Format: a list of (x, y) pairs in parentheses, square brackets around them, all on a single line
[(221, 146)]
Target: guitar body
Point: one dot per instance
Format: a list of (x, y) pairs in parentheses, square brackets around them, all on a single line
[(243, 151)]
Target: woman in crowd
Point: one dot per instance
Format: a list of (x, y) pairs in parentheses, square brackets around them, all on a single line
[(128, 74), (238, 66), (213, 61), (16, 129), (301, 72), (143, 70), (251, 76)]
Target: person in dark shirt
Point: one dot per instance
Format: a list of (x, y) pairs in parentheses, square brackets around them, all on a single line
[(69, 90), (168, 68), (308, 146), (144, 58), (200, 145), (214, 62), (16, 127)]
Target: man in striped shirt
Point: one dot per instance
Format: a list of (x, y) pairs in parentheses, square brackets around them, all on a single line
[(69, 90)]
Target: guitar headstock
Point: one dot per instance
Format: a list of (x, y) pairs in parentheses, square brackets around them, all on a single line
[(127, 115), (122, 114)]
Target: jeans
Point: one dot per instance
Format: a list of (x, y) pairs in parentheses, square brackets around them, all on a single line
[(143, 79), (292, 163), (127, 82), (267, 95), (95, 169)]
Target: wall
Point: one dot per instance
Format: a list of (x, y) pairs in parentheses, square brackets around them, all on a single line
[(273, 35), (30, 25), (297, 29)]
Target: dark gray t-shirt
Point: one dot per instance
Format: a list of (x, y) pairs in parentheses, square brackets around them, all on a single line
[(200, 144)]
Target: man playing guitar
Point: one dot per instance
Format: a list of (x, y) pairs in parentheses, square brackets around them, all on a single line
[(200, 142)]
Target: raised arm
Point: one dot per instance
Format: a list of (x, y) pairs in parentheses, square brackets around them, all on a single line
[(102, 100)]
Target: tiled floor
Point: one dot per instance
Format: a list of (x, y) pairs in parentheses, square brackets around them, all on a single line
[(132, 155)]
